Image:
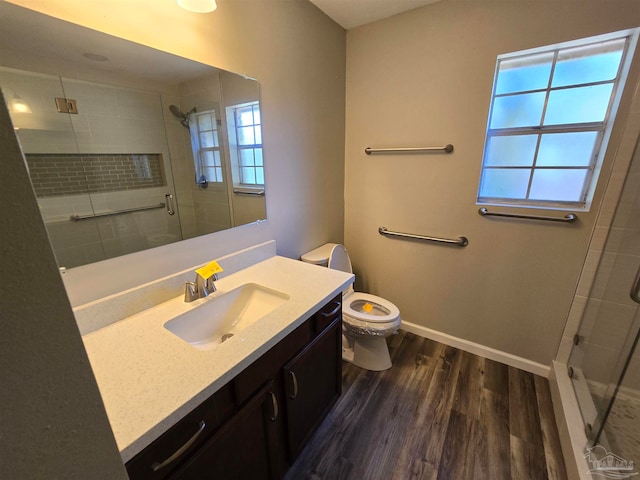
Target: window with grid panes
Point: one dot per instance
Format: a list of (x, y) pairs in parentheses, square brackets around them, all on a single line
[(206, 147), (549, 121), (249, 144)]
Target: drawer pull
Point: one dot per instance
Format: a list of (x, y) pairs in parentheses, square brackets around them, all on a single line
[(334, 311), (157, 466), (295, 385), (274, 404)]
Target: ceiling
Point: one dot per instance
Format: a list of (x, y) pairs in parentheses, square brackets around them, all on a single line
[(353, 13)]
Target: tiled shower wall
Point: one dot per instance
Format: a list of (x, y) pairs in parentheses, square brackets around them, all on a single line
[(66, 174)]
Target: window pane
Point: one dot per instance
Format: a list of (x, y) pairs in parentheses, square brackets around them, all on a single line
[(215, 139), (206, 140), (566, 149), (592, 63), (505, 183), (260, 175), (213, 174), (524, 73), (517, 110), (245, 136), (245, 116), (558, 185), (208, 159), (256, 114), (204, 122), (248, 175), (511, 150), (578, 105), (258, 133), (258, 156), (246, 157)]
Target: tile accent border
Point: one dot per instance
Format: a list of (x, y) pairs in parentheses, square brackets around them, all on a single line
[(54, 175)]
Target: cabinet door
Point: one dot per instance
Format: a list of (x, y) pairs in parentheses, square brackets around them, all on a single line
[(313, 383), (168, 452), (241, 448)]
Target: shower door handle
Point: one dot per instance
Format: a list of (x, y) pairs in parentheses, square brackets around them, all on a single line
[(169, 201), (635, 289)]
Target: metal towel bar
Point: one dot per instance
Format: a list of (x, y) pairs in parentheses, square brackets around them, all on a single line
[(460, 241), (446, 149), (76, 218), (568, 218), (239, 191)]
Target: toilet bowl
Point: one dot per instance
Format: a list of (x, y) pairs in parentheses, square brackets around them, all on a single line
[(366, 319)]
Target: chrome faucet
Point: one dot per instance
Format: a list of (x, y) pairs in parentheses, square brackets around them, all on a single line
[(200, 288)]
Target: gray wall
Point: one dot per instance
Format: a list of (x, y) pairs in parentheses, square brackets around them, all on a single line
[(53, 421), (425, 78)]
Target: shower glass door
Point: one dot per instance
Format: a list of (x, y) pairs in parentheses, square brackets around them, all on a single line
[(604, 363), (101, 173)]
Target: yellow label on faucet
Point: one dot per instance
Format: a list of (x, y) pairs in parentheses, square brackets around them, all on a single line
[(209, 270)]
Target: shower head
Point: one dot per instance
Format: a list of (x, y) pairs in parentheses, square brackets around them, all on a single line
[(184, 117)]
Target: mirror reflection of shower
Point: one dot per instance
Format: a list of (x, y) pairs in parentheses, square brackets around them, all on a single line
[(179, 114)]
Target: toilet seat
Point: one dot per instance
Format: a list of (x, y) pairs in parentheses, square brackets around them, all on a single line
[(369, 308), (366, 319)]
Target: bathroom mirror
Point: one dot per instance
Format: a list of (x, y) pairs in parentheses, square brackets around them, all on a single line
[(128, 147)]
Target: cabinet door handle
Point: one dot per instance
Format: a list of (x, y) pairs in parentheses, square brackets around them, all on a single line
[(274, 404), (295, 385), (159, 465), (333, 312)]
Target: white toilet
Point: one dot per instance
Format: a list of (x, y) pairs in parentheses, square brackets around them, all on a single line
[(366, 319)]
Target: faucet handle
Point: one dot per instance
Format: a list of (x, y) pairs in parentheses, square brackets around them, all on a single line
[(190, 291), (208, 286), (205, 276)]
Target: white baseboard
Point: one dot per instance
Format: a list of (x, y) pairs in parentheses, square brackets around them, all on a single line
[(477, 349)]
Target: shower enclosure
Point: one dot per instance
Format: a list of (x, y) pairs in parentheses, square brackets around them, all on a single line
[(604, 365)]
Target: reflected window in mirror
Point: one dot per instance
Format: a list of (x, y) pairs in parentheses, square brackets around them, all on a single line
[(245, 141), (206, 148)]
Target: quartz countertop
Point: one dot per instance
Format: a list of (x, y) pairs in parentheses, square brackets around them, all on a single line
[(150, 379)]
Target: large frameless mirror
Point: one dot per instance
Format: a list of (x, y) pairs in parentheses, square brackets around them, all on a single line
[(128, 148)]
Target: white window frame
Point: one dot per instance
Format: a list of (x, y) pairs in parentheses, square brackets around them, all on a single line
[(603, 128), (202, 179), (235, 149)]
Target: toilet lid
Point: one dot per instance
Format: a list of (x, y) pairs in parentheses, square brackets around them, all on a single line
[(339, 259), (369, 308)]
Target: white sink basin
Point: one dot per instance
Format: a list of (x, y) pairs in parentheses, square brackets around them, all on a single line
[(221, 316)]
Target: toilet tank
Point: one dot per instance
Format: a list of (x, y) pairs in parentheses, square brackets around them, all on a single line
[(320, 255)]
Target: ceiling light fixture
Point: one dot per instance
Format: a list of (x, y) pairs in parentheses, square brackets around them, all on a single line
[(198, 6), (18, 105)]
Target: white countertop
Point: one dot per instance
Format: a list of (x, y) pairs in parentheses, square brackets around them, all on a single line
[(150, 379)]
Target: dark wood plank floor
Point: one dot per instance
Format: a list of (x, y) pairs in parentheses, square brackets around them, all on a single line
[(438, 414)]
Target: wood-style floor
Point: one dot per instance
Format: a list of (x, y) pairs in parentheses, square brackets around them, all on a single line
[(438, 414)]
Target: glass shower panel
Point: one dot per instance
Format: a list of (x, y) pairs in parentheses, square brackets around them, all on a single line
[(618, 429), (603, 365), (125, 158), (48, 142)]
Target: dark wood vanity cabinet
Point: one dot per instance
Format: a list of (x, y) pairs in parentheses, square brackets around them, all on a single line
[(241, 448), (313, 382), (254, 427)]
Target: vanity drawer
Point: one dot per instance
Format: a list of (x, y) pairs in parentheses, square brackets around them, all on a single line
[(328, 314), (267, 366), (192, 430)]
